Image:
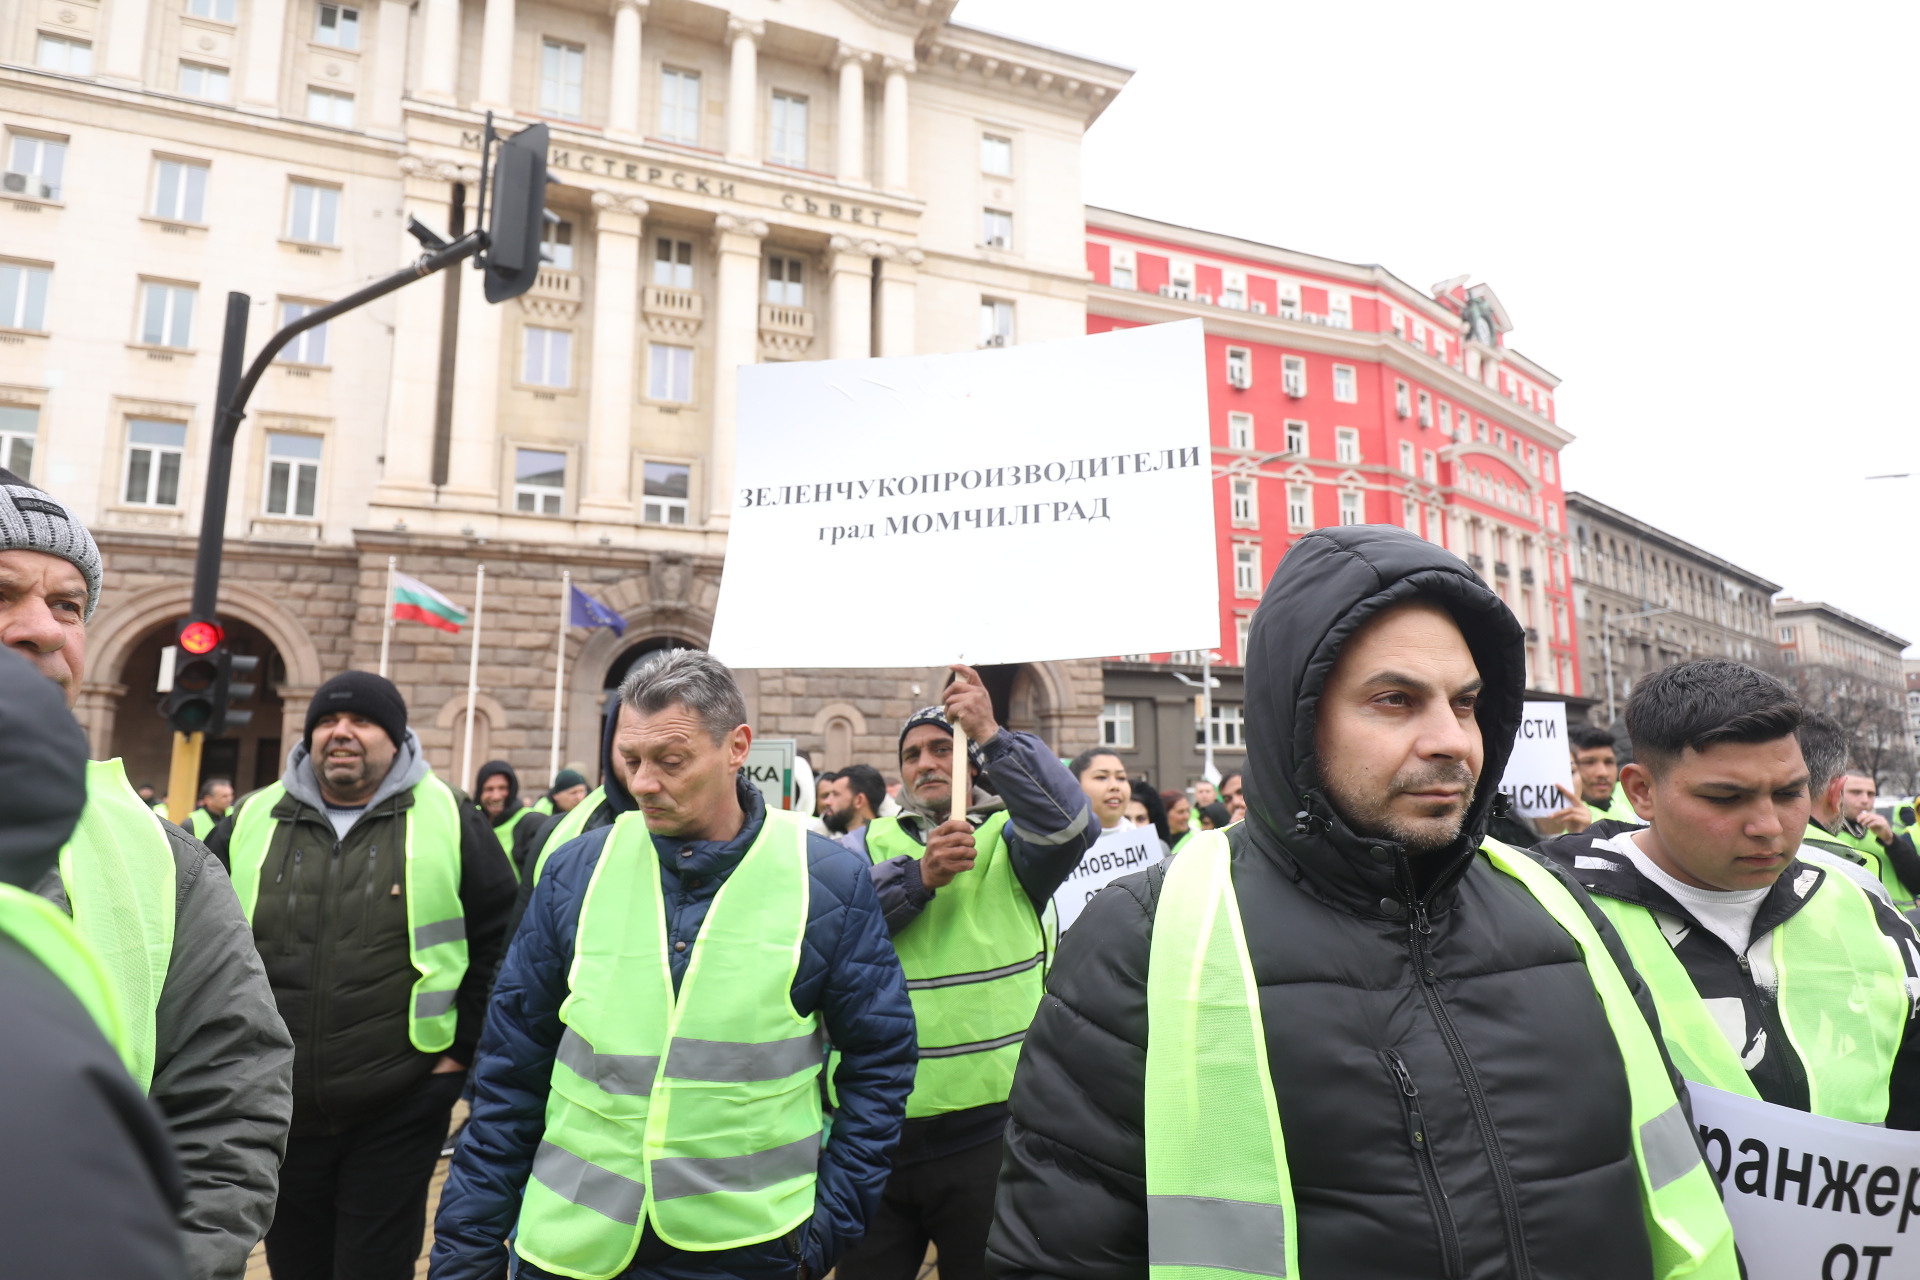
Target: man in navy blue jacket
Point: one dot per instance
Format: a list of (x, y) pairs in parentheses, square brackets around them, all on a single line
[(702, 818)]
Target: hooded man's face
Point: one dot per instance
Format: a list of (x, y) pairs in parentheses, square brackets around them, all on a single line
[(1399, 749)]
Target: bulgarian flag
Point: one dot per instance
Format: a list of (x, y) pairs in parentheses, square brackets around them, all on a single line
[(415, 601)]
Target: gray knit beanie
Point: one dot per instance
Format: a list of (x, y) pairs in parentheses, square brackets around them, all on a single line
[(33, 520)]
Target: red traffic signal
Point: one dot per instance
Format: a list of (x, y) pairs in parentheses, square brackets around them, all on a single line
[(201, 637)]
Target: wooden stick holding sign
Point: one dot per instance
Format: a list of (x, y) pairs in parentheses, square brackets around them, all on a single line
[(962, 784)]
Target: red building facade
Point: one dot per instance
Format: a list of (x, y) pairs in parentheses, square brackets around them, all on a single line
[(1338, 394)]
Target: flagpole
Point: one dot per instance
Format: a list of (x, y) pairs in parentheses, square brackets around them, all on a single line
[(386, 623), (473, 670), (559, 675)]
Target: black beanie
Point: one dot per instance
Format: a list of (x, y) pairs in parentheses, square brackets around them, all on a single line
[(364, 694)]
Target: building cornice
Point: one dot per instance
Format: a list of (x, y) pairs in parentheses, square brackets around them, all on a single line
[(1070, 82), (1787, 607), (1593, 509)]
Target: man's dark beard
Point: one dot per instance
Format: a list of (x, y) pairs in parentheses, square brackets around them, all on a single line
[(1372, 816), (837, 820)]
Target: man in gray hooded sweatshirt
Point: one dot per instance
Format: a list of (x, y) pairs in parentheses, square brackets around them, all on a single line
[(379, 904)]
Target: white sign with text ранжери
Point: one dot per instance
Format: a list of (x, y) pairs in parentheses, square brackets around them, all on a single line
[(919, 510), (1541, 763)]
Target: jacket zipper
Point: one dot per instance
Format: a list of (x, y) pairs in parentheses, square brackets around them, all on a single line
[(1418, 931), (366, 897), (293, 903), (1776, 1030), (1423, 1159), (323, 972)]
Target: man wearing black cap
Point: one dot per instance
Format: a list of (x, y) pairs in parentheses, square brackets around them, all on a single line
[(379, 904), (204, 1038), (964, 899)]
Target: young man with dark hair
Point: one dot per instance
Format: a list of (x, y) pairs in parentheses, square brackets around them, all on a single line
[(1710, 896), (854, 798), (1833, 825), (1596, 765)]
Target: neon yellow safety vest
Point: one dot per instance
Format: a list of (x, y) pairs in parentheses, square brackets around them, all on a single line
[(974, 961), (569, 828), (1842, 1000), (1618, 808), (1219, 1198), (699, 1113), (436, 920), (504, 834), (201, 823), (543, 806), (49, 937), (1863, 851), (119, 879)]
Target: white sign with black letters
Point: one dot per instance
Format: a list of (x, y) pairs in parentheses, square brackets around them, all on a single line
[(1540, 764), (1119, 852), (1813, 1198)]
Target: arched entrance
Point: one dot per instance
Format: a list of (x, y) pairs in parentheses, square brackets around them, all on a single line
[(1026, 696), (634, 654), (251, 757)]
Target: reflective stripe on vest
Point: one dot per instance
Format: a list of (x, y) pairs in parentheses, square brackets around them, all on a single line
[(436, 920), (44, 933), (701, 1113), (974, 960), (1219, 1196), (119, 879), (1842, 1000), (569, 828)]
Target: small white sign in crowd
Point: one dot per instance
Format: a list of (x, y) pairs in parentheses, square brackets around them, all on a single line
[(1540, 764), (1119, 852)]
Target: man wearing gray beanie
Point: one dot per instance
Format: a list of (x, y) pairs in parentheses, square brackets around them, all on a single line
[(206, 1041)]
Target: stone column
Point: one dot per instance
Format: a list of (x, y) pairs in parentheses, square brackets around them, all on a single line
[(606, 488), (440, 50), (850, 298), (743, 90), (496, 57), (852, 140), (406, 479), (387, 81), (623, 83), (893, 150), (125, 59), (899, 289), (266, 30), (736, 341)]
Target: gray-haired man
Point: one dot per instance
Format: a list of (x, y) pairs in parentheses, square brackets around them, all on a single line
[(208, 1042)]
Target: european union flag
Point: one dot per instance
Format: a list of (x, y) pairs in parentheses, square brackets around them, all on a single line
[(588, 612)]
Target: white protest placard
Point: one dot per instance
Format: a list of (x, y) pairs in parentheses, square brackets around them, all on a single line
[(971, 490), (1119, 852), (1540, 764), (1813, 1198), (769, 767)]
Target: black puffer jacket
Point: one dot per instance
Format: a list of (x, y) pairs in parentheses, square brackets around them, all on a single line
[(1528, 1169)]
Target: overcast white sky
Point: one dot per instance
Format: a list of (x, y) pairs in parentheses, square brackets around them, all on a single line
[(1700, 216)]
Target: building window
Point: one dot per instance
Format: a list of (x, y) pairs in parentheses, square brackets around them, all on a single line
[(563, 75), (1289, 301), (1122, 276), (1233, 297), (1299, 507), (336, 25), (1553, 517), (308, 347), (1350, 507), (1401, 404), (1480, 431), (1429, 469), (1345, 385), (1246, 509), (1446, 420), (166, 315), (673, 263), (1406, 456), (1242, 623), (1239, 431), (556, 242), (664, 488), (996, 229), (1116, 725), (1179, 281), (1239, 367), (670, 373), (1226, 726), (786, 281), (548, 361), (313, 214), (539, 481), (1297, 439), (35, 167), (293, 474), (218, 10), (1410, 515), (180, 191), (19, 431), (1246, 569), (1426, 409), (198, 80), (996, 155), (1293, 376), (23, 296), (55, 53), (1339, 312), (1786, 635), (1346, 445), (788, 134), (996, 323), (1499, 438), (680, 106), (154, 451), (1546, 467), (328, 107)]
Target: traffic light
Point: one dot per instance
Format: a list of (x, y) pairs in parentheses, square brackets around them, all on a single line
[(196, 672), (518, 204), (228, 690)]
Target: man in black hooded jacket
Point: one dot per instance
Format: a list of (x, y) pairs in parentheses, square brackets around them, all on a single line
[(1453, 1098)]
